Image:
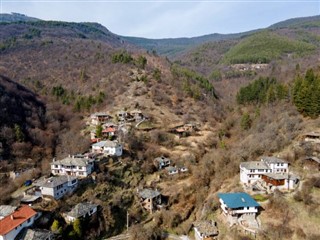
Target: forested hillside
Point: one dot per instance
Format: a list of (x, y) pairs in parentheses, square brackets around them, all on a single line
[(229, 101), (264, 47)]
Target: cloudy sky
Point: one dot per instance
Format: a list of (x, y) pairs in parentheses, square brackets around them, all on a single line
[(167, 18)]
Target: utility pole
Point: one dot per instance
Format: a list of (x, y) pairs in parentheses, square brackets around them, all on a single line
[(127, 221)]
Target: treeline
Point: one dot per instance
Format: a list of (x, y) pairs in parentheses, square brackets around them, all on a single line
[(194, 84), (79, 102), (125, 57), (306, 94), (262, 90)]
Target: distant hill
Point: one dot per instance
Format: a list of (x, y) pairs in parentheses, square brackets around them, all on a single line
[(56, 29), (172, 46), (296, 41), (16, 17), (303, 22), (265, 46)]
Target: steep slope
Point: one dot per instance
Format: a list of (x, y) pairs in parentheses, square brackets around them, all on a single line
[(21, 111), (86, 68), (79, 56)]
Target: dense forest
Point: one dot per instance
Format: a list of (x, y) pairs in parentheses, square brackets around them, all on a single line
[(306, 94)]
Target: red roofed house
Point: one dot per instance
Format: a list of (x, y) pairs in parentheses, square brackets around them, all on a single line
[(11, 225), (109, 131)]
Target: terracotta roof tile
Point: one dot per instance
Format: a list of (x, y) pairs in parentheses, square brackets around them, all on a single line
[(19, 216)]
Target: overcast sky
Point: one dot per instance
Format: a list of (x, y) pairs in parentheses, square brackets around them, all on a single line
[(167, 19)]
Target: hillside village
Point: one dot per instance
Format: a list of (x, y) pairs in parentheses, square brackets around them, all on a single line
[(241, 210), (105, 141)]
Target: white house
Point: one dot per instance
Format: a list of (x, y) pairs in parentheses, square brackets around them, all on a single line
[(56, 187), (11, 225), (252, 171), (312, 137), (79, 166), (172, 170), (237, 206), (99, 118), (108, 148), (205, 230), (137, 114), (81, 210), (161, 162), (276, 165)]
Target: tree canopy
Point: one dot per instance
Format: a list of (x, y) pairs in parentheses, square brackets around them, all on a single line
[(306, 94)]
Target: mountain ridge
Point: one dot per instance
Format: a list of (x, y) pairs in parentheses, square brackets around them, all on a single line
[(170, 47)]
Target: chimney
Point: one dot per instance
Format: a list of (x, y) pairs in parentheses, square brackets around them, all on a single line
[(12, 217)]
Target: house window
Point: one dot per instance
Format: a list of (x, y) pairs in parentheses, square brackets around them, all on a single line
[(80, 168), (56, 166)]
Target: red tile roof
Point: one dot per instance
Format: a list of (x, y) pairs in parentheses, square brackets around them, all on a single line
[(21, 215), (109, 129)]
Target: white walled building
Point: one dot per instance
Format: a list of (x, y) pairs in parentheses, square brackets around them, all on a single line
[(238, 205), (81, 210), (108, 148), (79, 166), (253, 171), (100, 118), (57, 187), (276, 165), (11, 225), (205, 230)]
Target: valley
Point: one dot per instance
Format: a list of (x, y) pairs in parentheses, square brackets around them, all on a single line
[(214, 136)]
